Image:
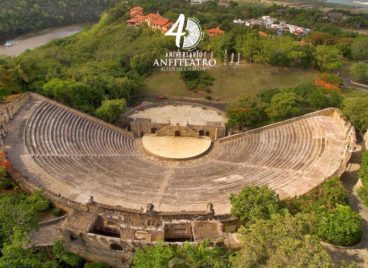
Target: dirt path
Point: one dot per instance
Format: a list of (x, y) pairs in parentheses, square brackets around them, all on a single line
[(359, 253)]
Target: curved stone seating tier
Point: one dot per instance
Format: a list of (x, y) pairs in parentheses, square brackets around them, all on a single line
[(77, 156)]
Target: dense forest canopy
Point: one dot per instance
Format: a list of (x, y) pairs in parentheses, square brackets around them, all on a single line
[(111, 59), (19, 16)]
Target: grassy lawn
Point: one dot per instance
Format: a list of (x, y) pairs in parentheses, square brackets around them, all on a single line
[(355, 93), (230, 82)]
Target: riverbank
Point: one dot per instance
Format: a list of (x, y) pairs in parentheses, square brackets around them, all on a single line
[(39, 38), (322, 5)]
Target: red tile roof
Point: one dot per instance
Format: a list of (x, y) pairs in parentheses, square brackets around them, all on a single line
[(136, 11), (215, 31), (161, 22), (154, 16), (155, 19)]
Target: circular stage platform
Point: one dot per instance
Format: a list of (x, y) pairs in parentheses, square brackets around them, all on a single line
[(177, 148)]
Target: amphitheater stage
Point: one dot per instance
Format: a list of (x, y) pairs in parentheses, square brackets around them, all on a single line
[(178, 148), (181, 115)]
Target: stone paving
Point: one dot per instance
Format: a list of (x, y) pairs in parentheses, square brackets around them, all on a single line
[(181, 114)]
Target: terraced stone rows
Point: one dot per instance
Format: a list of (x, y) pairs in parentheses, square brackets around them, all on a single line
[(92, 158)]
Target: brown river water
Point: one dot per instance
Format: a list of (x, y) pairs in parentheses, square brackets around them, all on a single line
[(39, 38)]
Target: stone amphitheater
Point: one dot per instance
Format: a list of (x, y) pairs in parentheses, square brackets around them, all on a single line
[(103, 173)]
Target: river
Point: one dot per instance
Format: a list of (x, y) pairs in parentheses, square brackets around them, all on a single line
[(357, 3), (39, 38)]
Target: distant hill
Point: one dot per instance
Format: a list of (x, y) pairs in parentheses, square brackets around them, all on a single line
[(20, 16)]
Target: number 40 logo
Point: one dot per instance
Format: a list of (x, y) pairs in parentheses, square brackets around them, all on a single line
[(192, 33)]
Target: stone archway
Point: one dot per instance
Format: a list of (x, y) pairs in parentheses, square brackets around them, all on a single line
[(177, 133)]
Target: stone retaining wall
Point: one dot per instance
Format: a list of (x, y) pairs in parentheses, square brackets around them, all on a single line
[(7, 111), (142, 126)]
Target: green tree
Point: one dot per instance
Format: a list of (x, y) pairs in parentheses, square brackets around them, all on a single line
[(38, 201), (284, 105), (10, 80), (3, 173), (363, 175), (356, 109), (359, 71), (95, 265), (188, 255), (278, 51), (249, 45), (328, 58), (359, 48), (328, 196), (253, 203), (15, 254), (153, 256), (197, 80), (75, 94), (318, 99), (218, 44), (111, 110), (65, 257), (282, 241), (15, 211), (245, 113), (202, 255), (342, 226)]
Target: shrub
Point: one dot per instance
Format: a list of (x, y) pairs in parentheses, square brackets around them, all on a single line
[(253, 203), (356, 110), (189, 255), (153, 257), (363, 174), (6, 184), (202, 255), (329, 195), (65, 257), (197, 80), (359, 71), (57, 212), (3, 173), (95, 265), (15, 211), (363, 194), (110, 110), (281, 241), (333, 193), (38, 201), (341, 227), (285, 105)]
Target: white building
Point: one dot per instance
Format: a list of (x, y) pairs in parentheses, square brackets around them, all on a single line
[(239, 21), (270, 23), (196, 2)]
